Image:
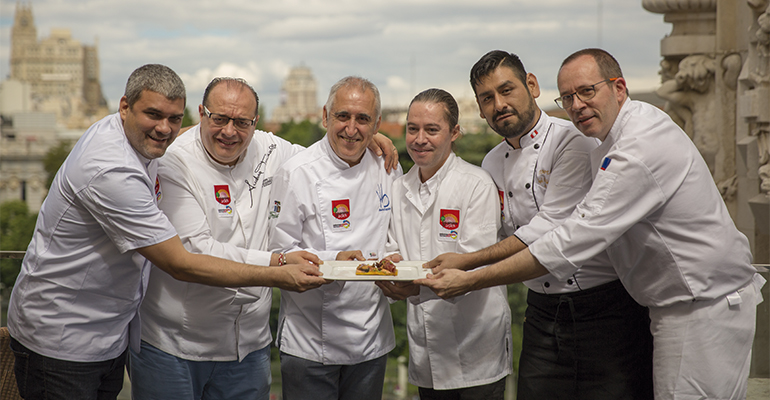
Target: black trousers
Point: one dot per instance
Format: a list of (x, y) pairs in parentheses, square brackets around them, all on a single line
[(593, 344)]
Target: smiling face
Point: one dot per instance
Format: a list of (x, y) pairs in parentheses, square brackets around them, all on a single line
[(507, 103), (429, 137), (152, 123), (225, 144), (594, 117), (351, 123)]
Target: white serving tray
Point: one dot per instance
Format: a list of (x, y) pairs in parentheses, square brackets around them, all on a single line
[(346, 271)]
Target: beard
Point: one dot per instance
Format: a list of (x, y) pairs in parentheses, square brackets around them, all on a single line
[(512, 130)]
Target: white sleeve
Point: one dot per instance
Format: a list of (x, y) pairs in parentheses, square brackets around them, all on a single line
[(121, 202), (622, 195), (186, 213)]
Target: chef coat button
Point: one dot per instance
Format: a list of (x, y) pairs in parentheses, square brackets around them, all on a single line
[(527, 186), (582, 215), (537, 146), (570, 281), (510, 194), (506, 155), (547, 284)]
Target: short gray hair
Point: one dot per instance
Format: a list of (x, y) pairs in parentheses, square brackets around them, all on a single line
[(355, 81), (155, 78), (228, 80)]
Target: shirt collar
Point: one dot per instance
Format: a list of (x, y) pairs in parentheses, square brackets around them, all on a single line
[(537, 133), (336, 160), (412, 178)]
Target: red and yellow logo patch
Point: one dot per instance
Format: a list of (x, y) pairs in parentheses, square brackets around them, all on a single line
[(450, 219), (341, 208), (222, 194)]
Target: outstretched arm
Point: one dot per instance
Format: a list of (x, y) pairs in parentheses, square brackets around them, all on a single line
[(452, 282), (173, 258), (488, 255)]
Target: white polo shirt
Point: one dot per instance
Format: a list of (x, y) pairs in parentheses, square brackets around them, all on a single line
[(81, 281)]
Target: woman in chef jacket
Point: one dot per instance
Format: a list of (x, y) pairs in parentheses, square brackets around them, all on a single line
[(444, 204)]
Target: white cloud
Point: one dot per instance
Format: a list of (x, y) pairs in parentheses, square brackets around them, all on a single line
[(403, 46)]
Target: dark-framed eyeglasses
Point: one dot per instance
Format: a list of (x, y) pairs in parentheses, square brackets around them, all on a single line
[(220, 120), (584, 94)]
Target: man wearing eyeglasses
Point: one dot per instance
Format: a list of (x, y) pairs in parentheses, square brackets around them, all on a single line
[(654, 207), (202, 342), (584, 337)]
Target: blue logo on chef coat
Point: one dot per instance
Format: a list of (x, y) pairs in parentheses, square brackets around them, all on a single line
[(384, 199)]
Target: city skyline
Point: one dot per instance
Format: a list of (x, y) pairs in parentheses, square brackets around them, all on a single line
[(403, 47)]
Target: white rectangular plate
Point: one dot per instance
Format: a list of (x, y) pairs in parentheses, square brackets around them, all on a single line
[(346, 271)]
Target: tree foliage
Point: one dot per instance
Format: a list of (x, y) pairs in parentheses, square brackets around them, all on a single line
[(304, 133), (16, 227), (187, 118), (53, 160)]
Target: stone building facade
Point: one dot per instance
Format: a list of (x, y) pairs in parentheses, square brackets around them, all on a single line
[(63, 73), (298, 97)]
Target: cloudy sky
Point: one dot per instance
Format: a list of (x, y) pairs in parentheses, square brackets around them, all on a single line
[(403, 46)]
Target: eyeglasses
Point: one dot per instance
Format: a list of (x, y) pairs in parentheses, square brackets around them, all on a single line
[(584, 94), (220, 120)]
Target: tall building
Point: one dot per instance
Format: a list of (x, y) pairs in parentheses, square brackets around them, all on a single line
[(62, 73), (298, 97), (52, 95)]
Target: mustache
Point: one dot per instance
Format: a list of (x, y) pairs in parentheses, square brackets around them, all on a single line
[(505, 111)]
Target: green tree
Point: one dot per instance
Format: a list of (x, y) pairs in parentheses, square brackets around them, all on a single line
[(187, 118), (473, 148), (16, 227), (262, 118), (304, 133), (53, 160)]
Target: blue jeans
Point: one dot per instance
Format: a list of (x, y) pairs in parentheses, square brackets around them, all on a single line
[(44, 378), (305, 379), (158, 375)]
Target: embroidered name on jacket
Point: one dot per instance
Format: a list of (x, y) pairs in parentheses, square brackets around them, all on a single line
[(384, 199)]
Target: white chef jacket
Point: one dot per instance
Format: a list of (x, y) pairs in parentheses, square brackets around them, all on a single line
[(81, 281), (323, 205), (655, 208), (221, 211), (539, 185), (468, 342)]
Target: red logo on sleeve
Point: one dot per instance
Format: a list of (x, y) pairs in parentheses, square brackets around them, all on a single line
[(450, 219), (222, 194), (157, 188), (341, 208)]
